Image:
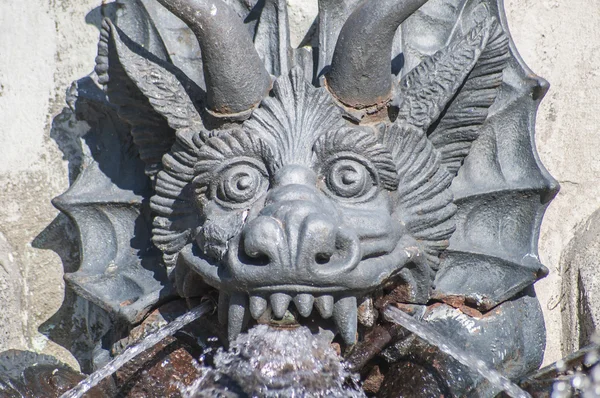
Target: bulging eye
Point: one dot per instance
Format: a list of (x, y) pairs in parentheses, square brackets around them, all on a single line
[(350, 178), (239, 184)]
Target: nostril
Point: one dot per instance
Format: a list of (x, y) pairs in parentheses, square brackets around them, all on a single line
[(336, 255), (322, 258), (253, 256), (260, 259), (260, 240)]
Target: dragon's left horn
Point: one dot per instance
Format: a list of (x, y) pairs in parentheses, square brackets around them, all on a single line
[(236, 78), (360, 74)]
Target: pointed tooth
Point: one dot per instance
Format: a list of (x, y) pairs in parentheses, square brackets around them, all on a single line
[(258, 306), (279, 304), (325, 306), (304, 304), (367, 314), (223, 307), (345, 318), (238, 315)]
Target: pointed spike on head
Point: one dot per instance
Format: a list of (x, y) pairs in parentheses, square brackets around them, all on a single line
[(258, 306), (360, 74), (236, 77), (238, 315), (304, 304), (345, 318), (324, 305), (279, 304)]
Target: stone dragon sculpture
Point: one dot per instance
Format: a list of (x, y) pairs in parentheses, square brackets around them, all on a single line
[(331, 178)]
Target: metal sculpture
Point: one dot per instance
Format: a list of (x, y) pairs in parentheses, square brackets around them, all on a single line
[(380, 166)]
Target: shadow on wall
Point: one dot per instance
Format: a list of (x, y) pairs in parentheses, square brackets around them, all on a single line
[(11, 333), (106, 204)]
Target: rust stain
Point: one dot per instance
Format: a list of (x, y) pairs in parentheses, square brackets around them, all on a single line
[(373, 381), (461, 303), (158, 371), (400, 294)]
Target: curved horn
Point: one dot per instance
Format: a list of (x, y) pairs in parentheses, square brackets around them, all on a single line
[(236, 78), (360, 74)]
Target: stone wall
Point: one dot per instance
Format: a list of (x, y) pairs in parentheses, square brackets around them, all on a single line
[(46, 44), (560, 41)]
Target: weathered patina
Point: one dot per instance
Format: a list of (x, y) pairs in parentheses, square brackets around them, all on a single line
[(391, 162)]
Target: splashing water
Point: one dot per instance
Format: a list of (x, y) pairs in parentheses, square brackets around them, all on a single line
[(150, 341), (581, 379), (433, 337), (267, 362)]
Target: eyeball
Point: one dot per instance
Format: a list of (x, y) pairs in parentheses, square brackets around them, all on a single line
[(239, 184), (350, 178)]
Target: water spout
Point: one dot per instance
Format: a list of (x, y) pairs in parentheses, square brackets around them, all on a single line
[(433, 337), (150, 341)]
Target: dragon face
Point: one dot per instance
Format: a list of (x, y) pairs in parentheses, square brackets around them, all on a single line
[(295, 204), (295, 194), (319, 222)]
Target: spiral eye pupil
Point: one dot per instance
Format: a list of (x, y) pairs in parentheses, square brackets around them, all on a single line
[(350, 178), (244, 183), (239, 184)]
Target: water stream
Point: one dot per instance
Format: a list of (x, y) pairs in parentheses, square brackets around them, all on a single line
[(151, 340), (421, 329), (435, 338)]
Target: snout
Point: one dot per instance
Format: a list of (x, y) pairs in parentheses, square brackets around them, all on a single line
[(301, 245), (297, 239), (302, 240)]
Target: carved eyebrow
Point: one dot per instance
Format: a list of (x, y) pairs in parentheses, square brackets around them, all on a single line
[(229, 145), (362, 142)]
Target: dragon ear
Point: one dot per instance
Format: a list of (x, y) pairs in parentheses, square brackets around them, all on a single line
[(425, 202), (154, 97), (449, 94)]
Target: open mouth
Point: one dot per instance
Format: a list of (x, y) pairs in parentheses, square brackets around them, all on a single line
[(247, 291), (240, 306)]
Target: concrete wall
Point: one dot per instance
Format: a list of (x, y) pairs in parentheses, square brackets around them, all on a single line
[(560, 40), (46, 44)]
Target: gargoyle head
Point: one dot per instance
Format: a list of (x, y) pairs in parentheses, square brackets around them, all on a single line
[(289, 196), (299, 204), (295, 202)]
